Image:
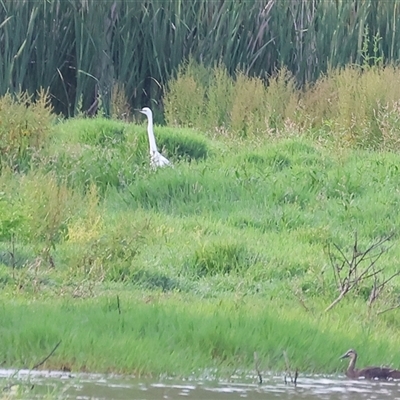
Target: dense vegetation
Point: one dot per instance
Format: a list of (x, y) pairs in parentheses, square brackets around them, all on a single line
[(88, 51), (228, 253)]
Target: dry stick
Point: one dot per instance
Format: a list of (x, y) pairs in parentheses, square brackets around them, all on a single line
[(377, 289), (288, 370), (118, 305), (45, 359), (300, 299), (257, 367), (388, 309), (296, 374), (352, 280), (375, 245), (336, 271), (8, 387)]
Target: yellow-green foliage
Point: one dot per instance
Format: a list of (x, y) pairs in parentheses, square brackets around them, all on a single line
[(244, 105), (388, 120), (357, 105), (184, 99), (248, 114), (219, 97), (282, 98), (50, 205), (104, 249), (87, 225), (120, 108), (25, 125), (354, 106)]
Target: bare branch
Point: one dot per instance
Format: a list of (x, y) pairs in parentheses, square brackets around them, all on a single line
[(342, 254), (257, 367), (46, 358), (390, 278), (376, 245), (333, 304), (388, 309), (359, 268)]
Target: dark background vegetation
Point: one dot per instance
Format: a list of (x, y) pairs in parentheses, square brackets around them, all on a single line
[(84, 49)]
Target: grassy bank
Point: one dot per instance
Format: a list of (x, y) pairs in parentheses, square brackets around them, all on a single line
[(211, 260), (153, 333), (236, 249)]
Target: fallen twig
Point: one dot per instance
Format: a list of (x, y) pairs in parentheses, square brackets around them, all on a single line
[(118, 305), (288, 373), (45, 359), (257, 367)]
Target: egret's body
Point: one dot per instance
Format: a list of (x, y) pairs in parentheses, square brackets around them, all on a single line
[(368, 372), (156, 158)]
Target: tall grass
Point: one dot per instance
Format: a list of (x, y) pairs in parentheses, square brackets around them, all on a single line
[(169, 335), (354, 106), (81, 50)]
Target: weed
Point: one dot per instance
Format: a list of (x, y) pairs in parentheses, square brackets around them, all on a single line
[(221, 258), (24, 129)]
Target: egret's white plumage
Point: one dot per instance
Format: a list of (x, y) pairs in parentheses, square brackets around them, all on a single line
[(156, 158)]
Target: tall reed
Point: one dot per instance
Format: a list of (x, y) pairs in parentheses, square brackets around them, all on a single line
[(80, 49)]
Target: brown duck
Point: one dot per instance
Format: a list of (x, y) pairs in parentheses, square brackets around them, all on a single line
[(368, 372)]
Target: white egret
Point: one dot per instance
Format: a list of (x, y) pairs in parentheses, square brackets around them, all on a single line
[(156, 158)]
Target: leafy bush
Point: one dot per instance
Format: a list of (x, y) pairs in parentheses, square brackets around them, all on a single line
[(50, 204), (245, 105), (355, 106), (25, 126), (185, 96), (13, 219), (103, 249), (222, 258)]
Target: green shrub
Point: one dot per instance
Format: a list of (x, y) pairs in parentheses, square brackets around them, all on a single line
[(14, 221), (153, 280), (104, 250), (220, 97), (222, 258), (50, 204), (215, 101), (25, 126), (185, 96)]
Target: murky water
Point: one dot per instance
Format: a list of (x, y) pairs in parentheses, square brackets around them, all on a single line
[(59, 385)]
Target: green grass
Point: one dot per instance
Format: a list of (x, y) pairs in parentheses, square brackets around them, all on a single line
[(176, 335), (220, 256)]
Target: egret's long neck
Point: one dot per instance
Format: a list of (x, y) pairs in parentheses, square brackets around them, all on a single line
[(152, 139)]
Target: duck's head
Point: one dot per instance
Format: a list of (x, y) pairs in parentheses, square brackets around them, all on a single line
[(349, 354)]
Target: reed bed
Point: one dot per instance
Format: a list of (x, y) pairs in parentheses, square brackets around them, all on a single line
[(81, 50)]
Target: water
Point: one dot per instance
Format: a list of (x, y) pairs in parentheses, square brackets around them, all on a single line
[(59, 385)]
